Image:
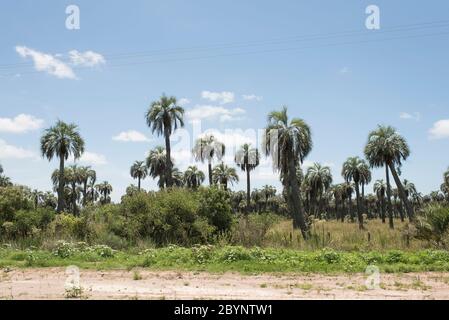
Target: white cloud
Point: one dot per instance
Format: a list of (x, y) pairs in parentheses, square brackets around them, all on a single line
[(440, 130), (47, 63), (86, 59), (8, 151), (409, 116), (131, 136), (93, 159), (183, 101), (220, 97), (20, 124), (252, 97), (202, 112)]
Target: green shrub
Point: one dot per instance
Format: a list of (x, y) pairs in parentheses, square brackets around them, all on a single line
[(13, 199), (214, 205), (432, 224)]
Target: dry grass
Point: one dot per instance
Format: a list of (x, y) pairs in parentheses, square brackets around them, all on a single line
[(345, 236)]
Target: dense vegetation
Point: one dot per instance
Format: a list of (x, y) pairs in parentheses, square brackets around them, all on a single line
[(309, 213)]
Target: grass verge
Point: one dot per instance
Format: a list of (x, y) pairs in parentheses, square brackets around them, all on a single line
[(229, 258)]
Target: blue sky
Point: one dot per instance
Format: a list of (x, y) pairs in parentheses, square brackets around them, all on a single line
[(231, 63)]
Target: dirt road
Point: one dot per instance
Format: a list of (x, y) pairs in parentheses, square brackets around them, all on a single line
[(141, 284)]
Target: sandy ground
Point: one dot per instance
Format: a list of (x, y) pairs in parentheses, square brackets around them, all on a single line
[(142, 284)]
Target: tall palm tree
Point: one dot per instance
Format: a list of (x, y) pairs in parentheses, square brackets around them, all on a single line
[(288, 143), (337, 192), (385, 147), (380, 188), (164, 117), (348, 191), (139, 171), (319, 178), (157, 165), (62, 141), (105, 189), (86, 174), (207, 149), (247, 159), (222, 174), (73, 177), (268, 192), (353, 170), (365, 179), (193, 177)]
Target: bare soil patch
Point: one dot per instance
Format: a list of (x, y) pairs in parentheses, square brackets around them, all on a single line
[(141, 284)]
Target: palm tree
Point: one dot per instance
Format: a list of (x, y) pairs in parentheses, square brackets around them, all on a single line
[(177, 177), (207, 149), (164, 117), (86, 174), (268, 192), (319, 178), (337, 192), (379, 189), (348, 191), (105, 189), (222, 174), (73, 178), (387, 148), (156, 164), (353, 170), (365, 179), (38, 197), (61, 141), (288, 143), (247, 159), (139, 171), (193, 177)]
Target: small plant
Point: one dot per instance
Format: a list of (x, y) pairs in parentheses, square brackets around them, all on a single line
[(73, 293), (137, 276), (202, 254), (64, 249)]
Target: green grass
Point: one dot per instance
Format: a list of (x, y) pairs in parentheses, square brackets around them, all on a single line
[(231, 258)]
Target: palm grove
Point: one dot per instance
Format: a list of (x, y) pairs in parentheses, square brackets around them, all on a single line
[(308, 193)]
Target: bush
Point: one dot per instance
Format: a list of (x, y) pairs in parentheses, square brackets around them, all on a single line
[(166, 217), (13, 199), (214, 205), (432, 224), (251, 230), (66, 226)]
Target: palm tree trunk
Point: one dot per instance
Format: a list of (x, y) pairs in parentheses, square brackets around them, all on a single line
[(248, 190), (75, 207), (61, 185), (343, 209), (295, 199), (364, 205), (138, 184), (382, 208), (84, 193), (359, 206), (389, 206), (210, 173), (169, 164), (401, 190)]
